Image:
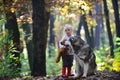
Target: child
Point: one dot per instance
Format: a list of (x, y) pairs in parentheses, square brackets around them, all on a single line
[(66, 53)]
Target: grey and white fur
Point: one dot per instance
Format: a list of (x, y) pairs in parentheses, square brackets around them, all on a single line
[(84, 57)]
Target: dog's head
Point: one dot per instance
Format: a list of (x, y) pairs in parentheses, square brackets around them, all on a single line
[(76, 41)]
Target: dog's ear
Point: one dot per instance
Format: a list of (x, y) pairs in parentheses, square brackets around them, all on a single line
[(80, 39)]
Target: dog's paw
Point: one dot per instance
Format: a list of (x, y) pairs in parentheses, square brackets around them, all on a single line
[(84, 76), (76, 75)]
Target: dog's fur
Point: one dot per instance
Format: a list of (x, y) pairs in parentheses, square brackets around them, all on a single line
[(84, 56)]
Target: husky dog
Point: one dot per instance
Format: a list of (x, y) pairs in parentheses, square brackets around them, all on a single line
[(84, 57)]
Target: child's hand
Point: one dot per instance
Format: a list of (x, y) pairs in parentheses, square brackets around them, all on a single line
[(63, 41)]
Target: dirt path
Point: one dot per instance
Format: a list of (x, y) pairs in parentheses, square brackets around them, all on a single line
[(98, 76)]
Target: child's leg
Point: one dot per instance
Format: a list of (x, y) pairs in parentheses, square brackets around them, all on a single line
[(64, 66), (69, 67)]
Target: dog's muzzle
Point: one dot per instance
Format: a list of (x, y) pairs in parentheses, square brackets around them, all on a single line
[(67, 43)]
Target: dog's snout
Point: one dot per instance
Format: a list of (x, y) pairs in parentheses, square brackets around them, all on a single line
[(67, 45)]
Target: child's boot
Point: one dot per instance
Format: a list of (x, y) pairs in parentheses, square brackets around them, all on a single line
[(63, 71), (69, 72)]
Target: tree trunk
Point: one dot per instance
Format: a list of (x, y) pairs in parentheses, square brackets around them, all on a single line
[(29, 43), (102, 31), (87, 34), (84, 23), (100, 27), (80, 25), (13, 31), (117, 18), (97, 37), (108, 28), (40, 30), (52, 36), (24, 14), (92, 36)]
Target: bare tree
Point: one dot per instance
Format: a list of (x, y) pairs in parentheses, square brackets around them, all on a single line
[(117, 18), (40, 30), (108, 28), (87, 34), (13, 31)]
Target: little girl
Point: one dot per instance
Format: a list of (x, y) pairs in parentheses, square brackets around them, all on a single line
[(66, 53)]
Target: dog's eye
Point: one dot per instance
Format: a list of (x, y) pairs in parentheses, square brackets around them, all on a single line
[(73, 39)]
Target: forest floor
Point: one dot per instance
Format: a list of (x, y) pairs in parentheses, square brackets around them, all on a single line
[(98, 76)]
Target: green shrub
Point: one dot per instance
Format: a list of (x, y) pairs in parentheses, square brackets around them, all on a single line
[(8, 62), (52, 67), (116, 62), (103, 59), (107, 63), (6, 66), (25, 69)]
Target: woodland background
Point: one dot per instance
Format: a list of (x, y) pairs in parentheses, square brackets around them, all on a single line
[(30, 31)]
